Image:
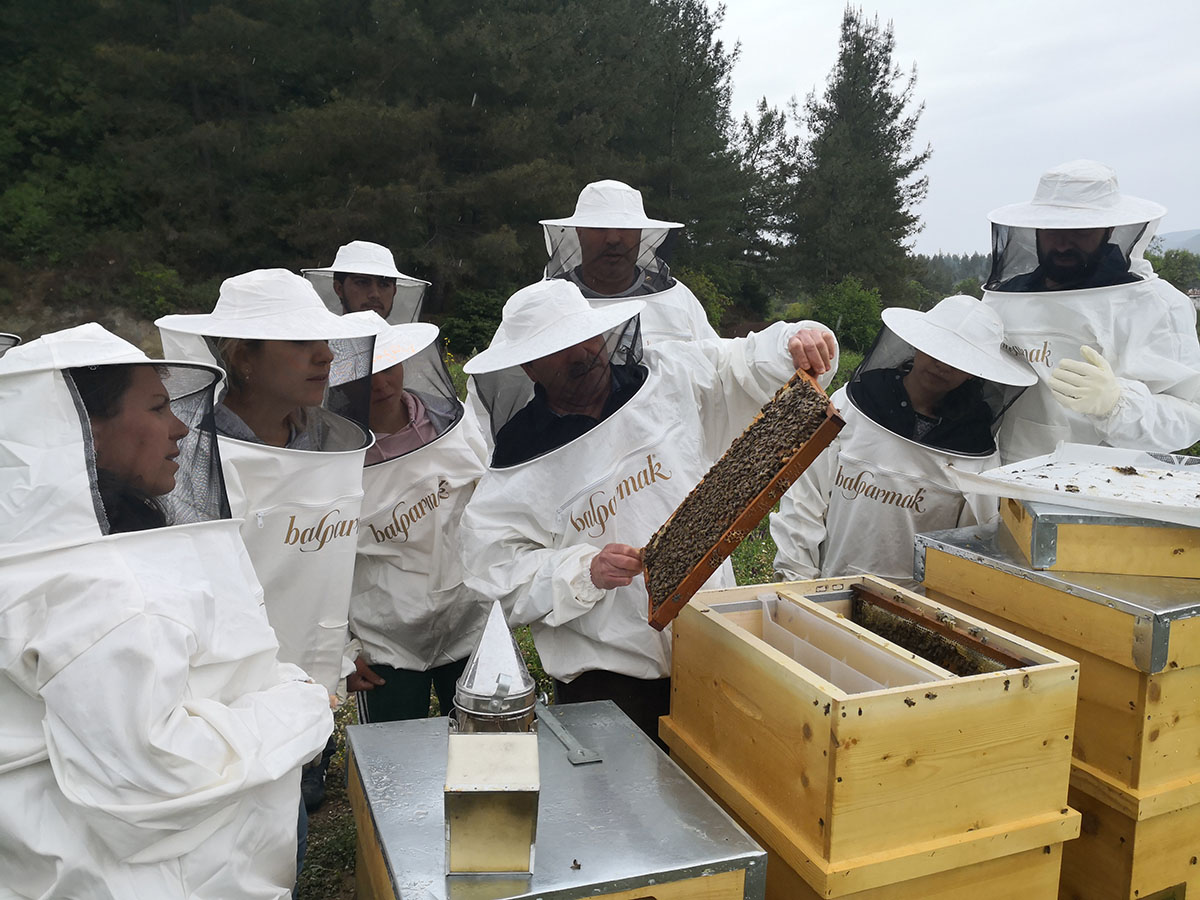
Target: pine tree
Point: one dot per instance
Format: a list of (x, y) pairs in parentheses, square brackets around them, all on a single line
[(853, 208)]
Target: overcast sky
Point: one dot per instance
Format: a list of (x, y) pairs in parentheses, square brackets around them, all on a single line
[(1011, 87)]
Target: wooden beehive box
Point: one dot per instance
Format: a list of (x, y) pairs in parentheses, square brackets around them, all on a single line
[(1066, 539), (1136, 768), (868, 770)]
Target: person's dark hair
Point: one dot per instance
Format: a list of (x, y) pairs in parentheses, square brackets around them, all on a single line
[(102, 391)]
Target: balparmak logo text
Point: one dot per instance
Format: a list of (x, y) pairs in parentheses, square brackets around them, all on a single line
[(314, 537), (1040, 354), (862, 485), (601, 506), (405, 515)]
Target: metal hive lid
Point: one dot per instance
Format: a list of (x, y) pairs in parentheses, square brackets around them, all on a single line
[(496, 680)]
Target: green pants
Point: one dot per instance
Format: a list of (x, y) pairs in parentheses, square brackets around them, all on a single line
[(405, 695)]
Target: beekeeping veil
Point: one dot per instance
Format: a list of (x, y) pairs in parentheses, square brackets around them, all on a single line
[(53, 491), (366, 258), (959, 332), (8, 341), (300, 507), (277, 305), (610, 204), (415, 346), (1077, 195), (544, 319)]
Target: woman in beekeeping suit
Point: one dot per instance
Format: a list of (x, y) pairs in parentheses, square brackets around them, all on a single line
[(152, 741), (293, 439), (364, 278), (414, 621), (928, 395)]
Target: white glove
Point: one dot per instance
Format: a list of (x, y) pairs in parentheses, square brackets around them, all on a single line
[(1088, 387)]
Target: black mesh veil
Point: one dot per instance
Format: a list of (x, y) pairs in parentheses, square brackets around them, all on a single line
[(506, 392), (199, 491), (427, 379), (7, 342), (652, 271), (964, 421), (1015, 254), (347, 395)]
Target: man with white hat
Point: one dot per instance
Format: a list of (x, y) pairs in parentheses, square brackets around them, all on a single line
[(928, 395), (1113, 344), (610, 249), (364, 278), (595, 448)]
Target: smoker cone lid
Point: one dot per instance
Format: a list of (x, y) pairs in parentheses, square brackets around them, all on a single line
[(496, 681)]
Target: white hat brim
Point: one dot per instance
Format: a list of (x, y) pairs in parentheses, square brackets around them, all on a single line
[(558, 335), (367, 269), (610, 219), (284, 325), (1128, 211), (951, 348), (399, 343)]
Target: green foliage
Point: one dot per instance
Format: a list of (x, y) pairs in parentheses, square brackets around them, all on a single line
[(476, 316), (154, 290), (852, 210), (851, 311), (754, 559), (969, 286), (798, 311), (714, 302), (1180, 267), (848, 361)]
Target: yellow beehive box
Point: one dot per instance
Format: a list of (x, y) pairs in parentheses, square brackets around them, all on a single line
[(1064, 539), (866, 769), (1136, 768)]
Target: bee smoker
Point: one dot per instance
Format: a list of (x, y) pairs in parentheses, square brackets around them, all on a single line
[(492, 779)]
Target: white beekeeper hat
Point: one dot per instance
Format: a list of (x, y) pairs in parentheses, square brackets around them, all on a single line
[(610, 204), (364, 258), (398, 343), (544, 318), (1079, 194), (270, 304), (964, 333)]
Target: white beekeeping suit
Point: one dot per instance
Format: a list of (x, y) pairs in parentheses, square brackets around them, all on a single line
[(385, 290), (300, 502), (151, 741), (1114, 346), (672, 312), (884, 478), (410, 609), (534, 526)]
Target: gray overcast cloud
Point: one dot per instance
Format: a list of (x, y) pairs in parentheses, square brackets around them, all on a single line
[(1010, 89)]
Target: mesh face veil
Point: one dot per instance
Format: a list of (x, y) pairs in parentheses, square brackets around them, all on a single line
[(198, 494), (650, 272), (1015, 253), (964, 419), (408, 358), (565, 377)]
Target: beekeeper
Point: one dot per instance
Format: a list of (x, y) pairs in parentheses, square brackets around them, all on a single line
[(152, 741), (928, 395), (364, 278), (413, 620), (595, 447), (612, 251), (8, 341), (1114, 346), (293, 440)]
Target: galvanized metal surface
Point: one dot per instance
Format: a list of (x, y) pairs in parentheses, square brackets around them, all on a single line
[(1152, 602), (631, 822), (495, 691)]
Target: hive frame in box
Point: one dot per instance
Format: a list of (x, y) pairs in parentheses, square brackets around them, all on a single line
[(885, 793), (663, 610)]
